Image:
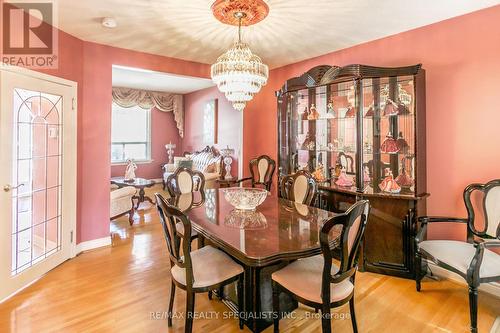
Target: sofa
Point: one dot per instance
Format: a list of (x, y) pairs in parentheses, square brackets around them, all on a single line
[(207, 161), (121, 202)]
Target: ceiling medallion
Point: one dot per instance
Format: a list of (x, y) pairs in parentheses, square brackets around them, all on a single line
[(226, 11), (239, 73)]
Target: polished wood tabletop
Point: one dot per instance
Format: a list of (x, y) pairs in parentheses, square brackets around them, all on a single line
[(277, 230)]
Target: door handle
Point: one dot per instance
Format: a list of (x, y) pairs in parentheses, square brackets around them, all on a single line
[(8, 188)]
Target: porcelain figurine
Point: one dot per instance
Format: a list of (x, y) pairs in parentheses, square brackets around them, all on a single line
[(337, 170), (390, 108), (389, 185), (403, 146), (130, 171), (370, 112), (319, 173), (313, 113), (304, 115), (366, 175), (330, 112), (404, 180), (351, 112), (343, 179), (402, 108), (389, 145)]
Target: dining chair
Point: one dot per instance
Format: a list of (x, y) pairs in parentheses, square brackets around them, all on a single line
[(261, 171), (185, 202), (472, 259), (197, 271), (316, 281), (299, 187), (184, 180)]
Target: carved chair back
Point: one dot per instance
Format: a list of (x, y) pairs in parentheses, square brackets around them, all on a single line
[(347, 162), (483, 209), (187, 201), (262, 170), (185, 180), (299, 187), (353, 223), (169, 217)]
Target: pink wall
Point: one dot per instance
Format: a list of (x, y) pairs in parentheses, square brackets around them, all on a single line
[(229, 123), (461, 58), (163, 131)]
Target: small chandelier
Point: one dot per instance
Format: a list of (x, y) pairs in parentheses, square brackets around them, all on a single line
[(239, 73)]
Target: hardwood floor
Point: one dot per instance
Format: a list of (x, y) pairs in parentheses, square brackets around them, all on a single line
[(125, 288)]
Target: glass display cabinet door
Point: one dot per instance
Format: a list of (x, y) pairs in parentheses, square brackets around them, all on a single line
[(389, 135)]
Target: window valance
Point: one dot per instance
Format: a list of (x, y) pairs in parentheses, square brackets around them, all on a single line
[(166, 102)]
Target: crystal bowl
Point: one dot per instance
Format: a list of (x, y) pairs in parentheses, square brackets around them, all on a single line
[(245, 219), (244, 198)]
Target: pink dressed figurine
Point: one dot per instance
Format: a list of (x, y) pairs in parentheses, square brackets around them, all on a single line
[(403, 146), (389, 145), (404, 180), (343, 180), (389, 185), (390, 108)]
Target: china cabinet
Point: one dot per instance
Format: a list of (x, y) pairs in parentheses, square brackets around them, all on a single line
[(360, 130)]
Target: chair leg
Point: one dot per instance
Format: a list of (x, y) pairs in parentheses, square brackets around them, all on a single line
[(473, 308), (353, 315), (189, 312), (276, 307), (171, 304), (131, 215), (326, 326), (240, 300), (418, 269)]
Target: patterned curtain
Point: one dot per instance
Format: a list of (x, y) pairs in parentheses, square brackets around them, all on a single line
[(166, 102)]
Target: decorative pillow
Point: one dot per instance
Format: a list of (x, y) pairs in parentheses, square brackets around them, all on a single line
[(211, 168), (184, 163), (180, 158)]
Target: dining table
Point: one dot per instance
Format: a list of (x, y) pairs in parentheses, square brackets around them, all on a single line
[(263, 241)]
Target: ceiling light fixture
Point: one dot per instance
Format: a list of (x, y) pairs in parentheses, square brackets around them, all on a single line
[(239, 73)]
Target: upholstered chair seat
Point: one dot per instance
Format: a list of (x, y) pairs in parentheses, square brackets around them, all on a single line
[(459, 255), (210, 266), (474, 260), (304, 277), (202, 270), (317, 281)]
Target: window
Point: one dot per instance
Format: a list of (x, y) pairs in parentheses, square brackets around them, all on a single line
[(130, 134)]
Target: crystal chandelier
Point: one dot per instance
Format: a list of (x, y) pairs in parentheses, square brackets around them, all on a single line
[(239, 73)]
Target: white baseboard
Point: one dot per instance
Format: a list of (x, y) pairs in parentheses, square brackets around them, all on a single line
[(93, 244), (491, 288)]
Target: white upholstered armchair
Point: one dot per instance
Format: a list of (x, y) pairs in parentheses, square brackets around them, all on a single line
[(121, 202), (474, 259)]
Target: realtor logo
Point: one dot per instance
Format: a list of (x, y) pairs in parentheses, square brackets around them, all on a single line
[(29, 38)]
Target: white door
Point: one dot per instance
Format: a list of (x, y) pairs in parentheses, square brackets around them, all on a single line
[(37, 175)]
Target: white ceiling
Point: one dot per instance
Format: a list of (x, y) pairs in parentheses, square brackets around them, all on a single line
[(294, 30), (156, 81)]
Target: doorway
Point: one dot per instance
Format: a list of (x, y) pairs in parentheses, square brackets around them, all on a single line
[(37, 175)]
